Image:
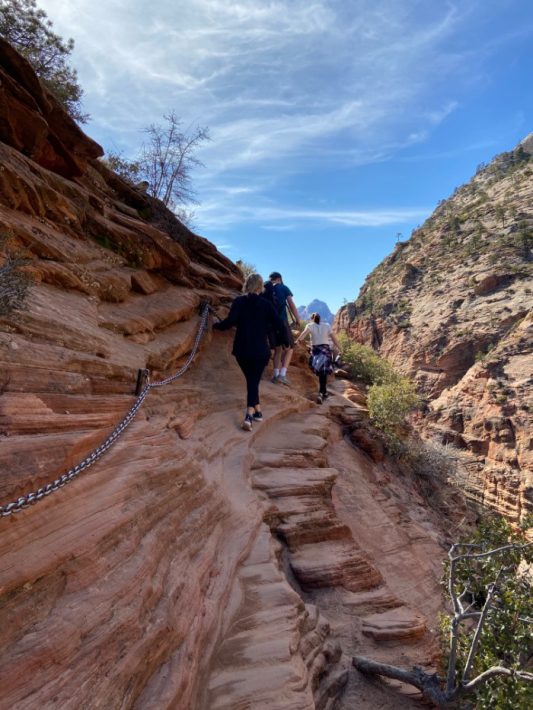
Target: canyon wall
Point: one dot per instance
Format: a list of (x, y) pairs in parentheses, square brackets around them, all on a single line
[(451, 307)]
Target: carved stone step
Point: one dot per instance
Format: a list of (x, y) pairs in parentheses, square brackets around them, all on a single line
[(333, 564), (394, 625)]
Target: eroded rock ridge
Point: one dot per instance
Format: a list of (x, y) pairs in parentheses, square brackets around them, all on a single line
[(451, 307)]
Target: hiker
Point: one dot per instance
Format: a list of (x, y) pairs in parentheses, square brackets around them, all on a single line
[(282, 299), (321, 360), (253, 318)]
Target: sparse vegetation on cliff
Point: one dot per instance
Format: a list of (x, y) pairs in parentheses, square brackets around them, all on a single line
[(390, 396), (245, 268), (27, 28), (14, 283), (476, 220), (445, 304)]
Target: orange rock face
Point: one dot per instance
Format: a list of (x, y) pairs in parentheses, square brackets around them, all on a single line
[(34, 124), (193, 565), (451, 307)]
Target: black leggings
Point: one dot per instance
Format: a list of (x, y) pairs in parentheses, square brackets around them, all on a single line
[(252, 369), (323, 381)]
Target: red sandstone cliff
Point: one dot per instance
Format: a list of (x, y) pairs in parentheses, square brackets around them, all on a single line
[(192, 566), (451, 307)]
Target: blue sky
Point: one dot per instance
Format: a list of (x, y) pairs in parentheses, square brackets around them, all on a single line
[(335, 124)]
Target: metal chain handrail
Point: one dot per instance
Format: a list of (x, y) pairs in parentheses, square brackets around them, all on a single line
[(30, 498)]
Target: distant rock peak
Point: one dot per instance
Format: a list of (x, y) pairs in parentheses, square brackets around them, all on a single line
[(316, 306)]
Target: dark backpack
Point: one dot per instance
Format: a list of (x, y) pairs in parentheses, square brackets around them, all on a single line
[(270, 295), (280, 305), (277, 336)]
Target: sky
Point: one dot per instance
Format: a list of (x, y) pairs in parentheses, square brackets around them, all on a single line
[(336, 126)]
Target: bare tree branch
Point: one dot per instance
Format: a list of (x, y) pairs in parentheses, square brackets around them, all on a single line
[(477, 634), (492, 673), (428, 684), (168, 158), (446, 694), (491, 553)]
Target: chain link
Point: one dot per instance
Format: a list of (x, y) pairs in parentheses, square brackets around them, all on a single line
[(31, 498)]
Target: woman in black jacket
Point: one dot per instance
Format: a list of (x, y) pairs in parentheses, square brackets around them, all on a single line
[(254, 317)]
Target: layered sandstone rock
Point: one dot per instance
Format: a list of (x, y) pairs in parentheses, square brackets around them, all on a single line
[(277, 652), (352, 594), (34, 123), (322, 551), (451, 307)]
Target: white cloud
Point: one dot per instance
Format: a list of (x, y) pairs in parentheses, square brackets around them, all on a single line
[(269, 78), (285, 86), (215, 215), (279, 227), (235, 190)]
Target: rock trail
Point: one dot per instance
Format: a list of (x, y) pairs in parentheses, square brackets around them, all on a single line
[(338, 599)]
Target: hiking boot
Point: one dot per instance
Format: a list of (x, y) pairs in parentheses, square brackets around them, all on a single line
[(247, 423), (275, 380), (325, 395), (258, 416), (319, 398), (284, 381)]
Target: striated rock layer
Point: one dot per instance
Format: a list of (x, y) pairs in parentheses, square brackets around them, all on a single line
[(193, 565), (451, 307)]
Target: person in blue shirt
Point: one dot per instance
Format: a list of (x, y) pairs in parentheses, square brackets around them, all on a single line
[(254, 318), (284, 304)]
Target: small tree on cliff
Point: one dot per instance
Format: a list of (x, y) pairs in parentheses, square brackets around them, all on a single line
[(165, 162), (27, 28), (490, 645), (245, 268)]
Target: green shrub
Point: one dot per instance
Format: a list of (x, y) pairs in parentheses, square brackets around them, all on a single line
[(363, 363), (129, 170), (389, 403), (390, 396)]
